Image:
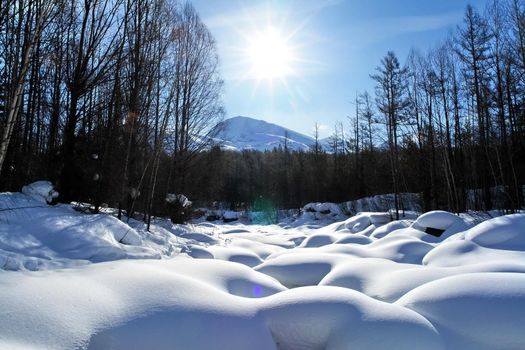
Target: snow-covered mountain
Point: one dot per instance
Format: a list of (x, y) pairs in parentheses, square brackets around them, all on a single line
[(241, 133)]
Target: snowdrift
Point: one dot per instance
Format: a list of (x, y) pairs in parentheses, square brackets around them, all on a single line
[(71, 280)]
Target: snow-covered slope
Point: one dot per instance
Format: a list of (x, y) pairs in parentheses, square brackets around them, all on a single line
[(93, 282), (241, 133)]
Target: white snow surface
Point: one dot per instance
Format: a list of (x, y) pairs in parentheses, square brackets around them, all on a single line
[(71, 280)]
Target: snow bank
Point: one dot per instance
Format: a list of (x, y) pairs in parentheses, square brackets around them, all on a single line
[(384, 202), (86, 309), (361, 283), (324, 208), (323, 211)]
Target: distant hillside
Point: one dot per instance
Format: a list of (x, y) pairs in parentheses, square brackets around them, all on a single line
[(243, 133)]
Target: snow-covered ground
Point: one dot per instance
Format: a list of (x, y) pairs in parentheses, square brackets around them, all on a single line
[(70, 280)]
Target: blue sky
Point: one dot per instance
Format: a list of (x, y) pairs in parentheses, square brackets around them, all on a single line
[(336, 45)]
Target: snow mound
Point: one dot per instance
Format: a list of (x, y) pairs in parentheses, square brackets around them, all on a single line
[(235, 254), (460, 252), (506, 232), (233, 278), (361, 221), (474, 311), (328, 212), (179, 199), (197, 252), (323, 208), (167, 305), (388, 281), (335, 318), (300, 269), (353, 239), (40, 191), (403, 249), (390, 227), (437, 219), (318, 240)]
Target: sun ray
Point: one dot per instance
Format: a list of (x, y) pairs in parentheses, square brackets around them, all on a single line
[(270, 54)]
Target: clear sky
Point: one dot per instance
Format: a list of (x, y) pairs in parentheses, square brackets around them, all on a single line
[(323, 51)]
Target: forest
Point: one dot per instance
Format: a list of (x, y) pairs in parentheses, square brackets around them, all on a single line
[(116, 102)]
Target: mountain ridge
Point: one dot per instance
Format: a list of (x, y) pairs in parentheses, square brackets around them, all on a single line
[(245, 133)]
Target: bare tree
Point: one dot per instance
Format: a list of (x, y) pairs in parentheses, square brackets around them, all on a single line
[(36, 15), (391, 101)]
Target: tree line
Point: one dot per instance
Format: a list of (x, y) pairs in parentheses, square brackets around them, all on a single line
[(116, 102), (456, 113), (98, 95)]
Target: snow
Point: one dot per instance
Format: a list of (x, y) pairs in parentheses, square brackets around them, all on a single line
[(318, 240), (474, 311), (507, 232), (71, 280), (384, 202), (230, 215), (388, 281), (300, 269), (461, 252), (383, 231), (362, 220), (40, 191), (89, 310), (178, 198), (336, 318)]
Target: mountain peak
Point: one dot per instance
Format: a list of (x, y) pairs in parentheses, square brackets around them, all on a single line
[(243, 133)]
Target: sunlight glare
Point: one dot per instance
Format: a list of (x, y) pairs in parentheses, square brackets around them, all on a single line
[(270, 55)]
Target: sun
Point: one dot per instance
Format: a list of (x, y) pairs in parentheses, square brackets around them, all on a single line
[(270, 55)]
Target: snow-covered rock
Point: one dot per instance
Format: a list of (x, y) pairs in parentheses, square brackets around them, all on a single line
[(506, 232), (40, 191), (437, 219), (474, 311), (180, 199)]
